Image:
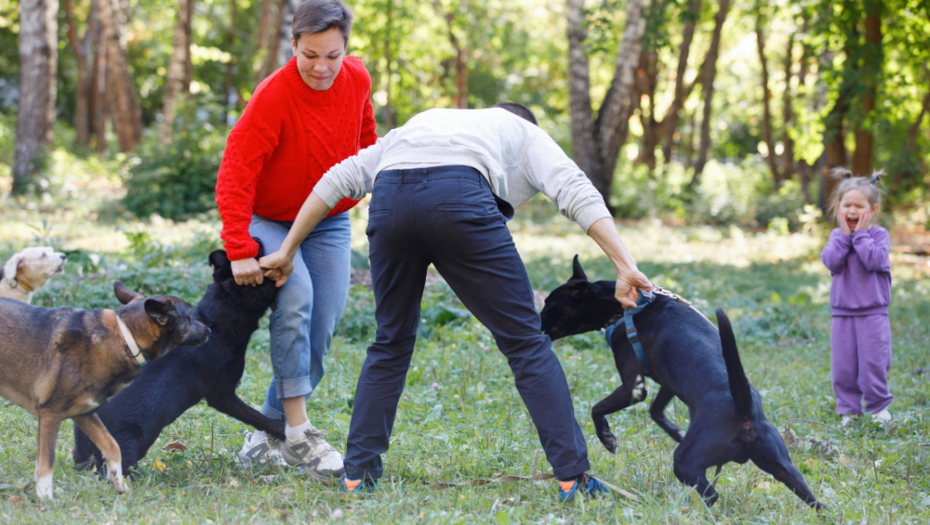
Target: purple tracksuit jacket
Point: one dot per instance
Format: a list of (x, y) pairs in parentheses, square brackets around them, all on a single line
[(860, 338)]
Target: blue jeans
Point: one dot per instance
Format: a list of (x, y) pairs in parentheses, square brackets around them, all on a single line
[(307, 309), (448, 216)]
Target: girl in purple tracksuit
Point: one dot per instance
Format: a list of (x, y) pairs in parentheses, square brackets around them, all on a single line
[(860, 338)]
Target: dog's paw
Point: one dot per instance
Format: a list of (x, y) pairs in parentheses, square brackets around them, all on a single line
[(609, 441)]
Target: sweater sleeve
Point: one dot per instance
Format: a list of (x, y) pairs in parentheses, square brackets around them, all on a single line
[(873, 249), (560, 179), (369, 133), (353, 177), (836, 251), (250, 144)]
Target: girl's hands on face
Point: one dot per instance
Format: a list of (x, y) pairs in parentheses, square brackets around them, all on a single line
[(865, 220), (844, 226)]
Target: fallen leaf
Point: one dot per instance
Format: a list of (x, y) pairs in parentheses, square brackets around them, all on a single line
[(176, 445), (15, 499), (574, 357), (159, 465), (233, 483)]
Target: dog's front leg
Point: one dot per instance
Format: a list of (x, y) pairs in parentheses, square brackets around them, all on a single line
[(93, 427), (49, 425), (657, 411), (232, 405), (619, 399)]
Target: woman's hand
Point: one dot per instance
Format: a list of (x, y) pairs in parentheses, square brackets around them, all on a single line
[(277, 266), (629, 284), (865, 220), (247, 271)]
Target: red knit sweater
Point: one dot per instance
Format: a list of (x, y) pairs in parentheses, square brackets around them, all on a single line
[(287, 138)]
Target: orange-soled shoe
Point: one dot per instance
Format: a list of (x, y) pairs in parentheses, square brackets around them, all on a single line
[(589, 486), (357, 486)]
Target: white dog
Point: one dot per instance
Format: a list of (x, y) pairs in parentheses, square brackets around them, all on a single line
[(28, 270)]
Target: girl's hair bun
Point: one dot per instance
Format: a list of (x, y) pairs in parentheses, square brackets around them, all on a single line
[(876, 177), (840, 173)]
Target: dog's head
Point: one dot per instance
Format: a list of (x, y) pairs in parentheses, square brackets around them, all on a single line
[(251, 298), (159, 323), (32, 267), (579, 305)]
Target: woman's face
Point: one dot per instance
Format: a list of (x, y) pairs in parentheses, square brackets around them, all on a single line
[(319, 57)]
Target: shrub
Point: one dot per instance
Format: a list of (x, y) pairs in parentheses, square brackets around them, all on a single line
[(178, 179)]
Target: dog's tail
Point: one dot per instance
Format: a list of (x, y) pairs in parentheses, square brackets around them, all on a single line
[(739, 384)]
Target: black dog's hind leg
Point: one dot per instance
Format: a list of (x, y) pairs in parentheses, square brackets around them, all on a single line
[(231, 405), (619, 399), (691, 469), (657, 411), (770, 454)]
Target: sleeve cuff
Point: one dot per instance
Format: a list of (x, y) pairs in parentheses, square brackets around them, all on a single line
[(591, 214), (246, 251)]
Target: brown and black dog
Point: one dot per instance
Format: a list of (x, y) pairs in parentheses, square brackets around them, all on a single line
[(62, 363)]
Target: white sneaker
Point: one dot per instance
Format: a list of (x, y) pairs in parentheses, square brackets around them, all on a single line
[(848, 419), (315, 456), (260, 449), (882, 416)]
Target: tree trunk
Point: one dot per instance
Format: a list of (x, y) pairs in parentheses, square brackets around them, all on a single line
[(122, 98), (228, 76), (787, 113), (707, 82), (584, 139), (38, 59), (872, 66), (82, 90), (286, 22), (98, 94), (671, 118), (174, 83), (262, 42), (766, 106), (614, 116), (596, 144), (388, 58)]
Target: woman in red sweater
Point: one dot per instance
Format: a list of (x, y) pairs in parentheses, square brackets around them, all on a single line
[(303, 119)]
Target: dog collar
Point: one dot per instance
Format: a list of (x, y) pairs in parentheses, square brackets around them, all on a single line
[(24, 286), (130, 342)]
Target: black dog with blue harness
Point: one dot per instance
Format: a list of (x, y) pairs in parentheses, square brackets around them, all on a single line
[(689, 358)]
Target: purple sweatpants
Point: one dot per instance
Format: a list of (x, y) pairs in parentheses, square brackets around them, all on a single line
[(861, 357)]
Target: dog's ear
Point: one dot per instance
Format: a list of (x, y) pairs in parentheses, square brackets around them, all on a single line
[(12, 267), (577, 271), (123, 294), (157, 308), (261, 248), (218, 258)]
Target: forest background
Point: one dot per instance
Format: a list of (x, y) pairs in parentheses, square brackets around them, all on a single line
[(719, 112)]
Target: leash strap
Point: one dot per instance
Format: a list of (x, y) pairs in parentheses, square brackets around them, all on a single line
[(631, 334), (130, 342)]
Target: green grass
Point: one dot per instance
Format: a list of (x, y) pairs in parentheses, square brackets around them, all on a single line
[(474, 425)]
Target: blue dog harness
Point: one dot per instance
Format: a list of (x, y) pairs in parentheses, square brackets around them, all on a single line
[(631, 334)]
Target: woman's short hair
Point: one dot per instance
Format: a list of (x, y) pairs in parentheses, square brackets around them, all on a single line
[(316, 16)]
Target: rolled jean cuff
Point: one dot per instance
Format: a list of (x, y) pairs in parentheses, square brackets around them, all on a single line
[(272, 412), (288, 388), (569, 472), (353, 472)]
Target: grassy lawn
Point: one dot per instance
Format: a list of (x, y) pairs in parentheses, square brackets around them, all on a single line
[(460, 417)]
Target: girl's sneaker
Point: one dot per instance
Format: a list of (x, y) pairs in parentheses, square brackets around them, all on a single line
[(848, 419), (314, 456), (587, 485), (882, 416)]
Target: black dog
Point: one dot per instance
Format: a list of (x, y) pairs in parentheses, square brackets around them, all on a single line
[(169, 386), (687, 356)]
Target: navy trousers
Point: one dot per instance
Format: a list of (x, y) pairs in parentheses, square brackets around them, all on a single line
[(448, 216)]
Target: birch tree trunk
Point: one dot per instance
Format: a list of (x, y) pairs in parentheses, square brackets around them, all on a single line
[(121, 91), (707, 87), (38, 58), (174, 83), (596, 143)]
